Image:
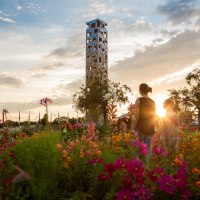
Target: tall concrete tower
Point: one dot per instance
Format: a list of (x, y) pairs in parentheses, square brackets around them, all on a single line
[(96, 50)]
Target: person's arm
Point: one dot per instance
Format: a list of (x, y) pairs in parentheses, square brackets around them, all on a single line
[(137, 103)]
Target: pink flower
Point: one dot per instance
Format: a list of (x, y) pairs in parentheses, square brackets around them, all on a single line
[(167, 184), (159, 151), (77, 126), (125, 194), (69, 126)]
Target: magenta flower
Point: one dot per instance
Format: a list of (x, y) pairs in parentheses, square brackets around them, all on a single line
[(181, 179), (125, 194), (142, 147), (109, 169), (159, 151), (135, 166), (127, 181), (120, 164), (94, 161), (186, 195), (143, 193), (102, 177), (152, 176), (155, 174), (167, 184)]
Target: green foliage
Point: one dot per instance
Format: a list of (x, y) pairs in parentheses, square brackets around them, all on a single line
[(39, 157), (188, 97), (97, 94)]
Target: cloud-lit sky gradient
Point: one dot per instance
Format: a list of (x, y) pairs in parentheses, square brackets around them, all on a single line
[(42, 48)]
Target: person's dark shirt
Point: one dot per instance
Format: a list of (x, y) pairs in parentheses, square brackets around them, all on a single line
[(146, 122)]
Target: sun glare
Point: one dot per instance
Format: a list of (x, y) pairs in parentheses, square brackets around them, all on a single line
[(160, 111)]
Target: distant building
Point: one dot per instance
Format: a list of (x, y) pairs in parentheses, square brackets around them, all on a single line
[(96, 50), (96, 58)]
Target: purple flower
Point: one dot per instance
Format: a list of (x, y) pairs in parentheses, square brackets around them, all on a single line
[(167, 184), (125, 194)]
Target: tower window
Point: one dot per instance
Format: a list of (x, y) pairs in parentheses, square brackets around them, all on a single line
[(100, 39), (93, 25), (95, 30), (98, 23), (100, 59)]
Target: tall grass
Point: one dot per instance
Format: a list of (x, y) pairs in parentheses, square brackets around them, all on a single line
[(38, 156)]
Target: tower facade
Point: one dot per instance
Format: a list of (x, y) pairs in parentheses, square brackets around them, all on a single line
[(96, 50)]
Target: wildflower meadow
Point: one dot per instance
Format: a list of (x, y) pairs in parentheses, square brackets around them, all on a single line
[(85, 162)]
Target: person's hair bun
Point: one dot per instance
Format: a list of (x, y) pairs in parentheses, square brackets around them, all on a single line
[(150, 89)]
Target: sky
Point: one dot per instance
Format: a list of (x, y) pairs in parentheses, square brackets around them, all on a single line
[(42, 49)]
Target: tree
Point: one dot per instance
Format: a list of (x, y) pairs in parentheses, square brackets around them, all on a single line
[(95, 97), (189, 97)]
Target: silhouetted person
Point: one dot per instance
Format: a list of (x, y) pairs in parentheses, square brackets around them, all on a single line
[(145, 116), (170, 127)]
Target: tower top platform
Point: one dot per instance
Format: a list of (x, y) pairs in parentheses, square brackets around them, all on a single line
[(96, 21)]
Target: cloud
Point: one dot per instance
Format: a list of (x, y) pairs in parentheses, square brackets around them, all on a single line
[(156, 61), (5, 18), (67, 89), (34, 8), (179, 11), (74, 47), (172, 77), (10, 80), (100, 9), (46, 67), (131, 27)]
